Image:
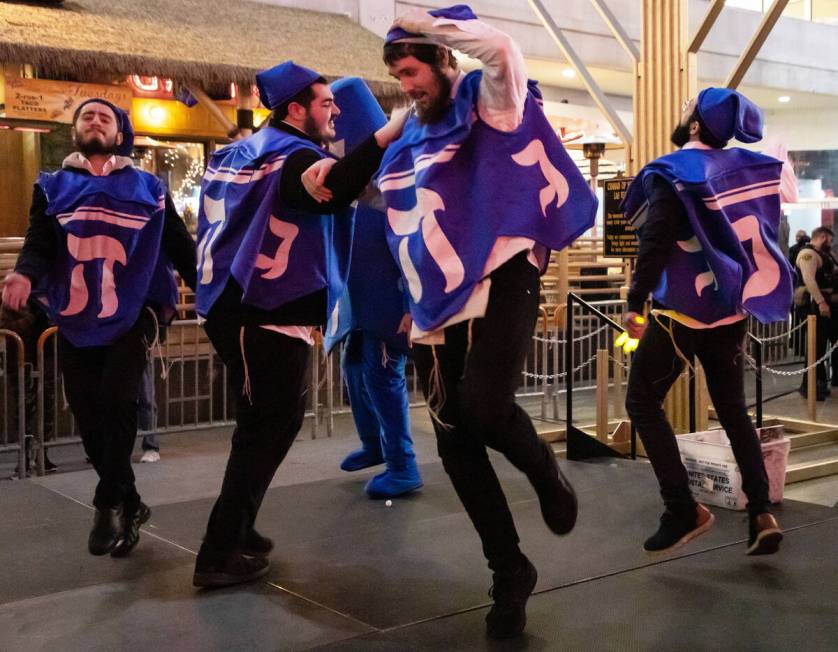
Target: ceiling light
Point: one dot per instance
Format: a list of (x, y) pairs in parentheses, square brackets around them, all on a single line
[(784, 99), (570, 73)]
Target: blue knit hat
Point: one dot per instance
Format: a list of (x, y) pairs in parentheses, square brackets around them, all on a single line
[(279, 84), (456, 12), (123, 123), (728, 114)]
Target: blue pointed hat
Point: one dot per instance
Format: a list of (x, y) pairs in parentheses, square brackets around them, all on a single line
[(456, 12), (728, 114), (279, 84), (123, 123)]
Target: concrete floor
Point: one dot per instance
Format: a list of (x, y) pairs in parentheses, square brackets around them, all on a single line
[(351, 574)]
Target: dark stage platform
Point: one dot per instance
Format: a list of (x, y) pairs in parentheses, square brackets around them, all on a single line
[(352, 574)]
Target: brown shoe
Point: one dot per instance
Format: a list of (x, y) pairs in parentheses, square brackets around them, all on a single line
[(765, 535)]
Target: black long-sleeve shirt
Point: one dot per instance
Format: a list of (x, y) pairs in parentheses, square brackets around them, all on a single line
[(347, 179), (40, 246), (666, 222)]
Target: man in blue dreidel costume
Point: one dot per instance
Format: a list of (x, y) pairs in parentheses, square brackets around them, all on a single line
[(272, 263), (376, 348), (478, 189), (708, 220), (102, 239)]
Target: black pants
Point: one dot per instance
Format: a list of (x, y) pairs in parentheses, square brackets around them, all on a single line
[(270, 406), (479, 382), (654, 369), (102, 384), (827, 332)]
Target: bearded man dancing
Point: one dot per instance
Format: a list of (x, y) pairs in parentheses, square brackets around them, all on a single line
[(100, 246), (272, 263), (477, 190), (708, 221)]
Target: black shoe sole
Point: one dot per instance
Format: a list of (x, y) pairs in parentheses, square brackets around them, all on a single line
[(101, 552), (767, 543), (217, 580)]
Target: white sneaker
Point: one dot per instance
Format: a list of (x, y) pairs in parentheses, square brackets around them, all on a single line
[(150, 456)]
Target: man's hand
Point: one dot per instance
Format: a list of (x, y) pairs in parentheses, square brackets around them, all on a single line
[(314, 179), (823, 309), (414, 20), (16, 290), (393, 129), (404, 327), (635, 324)]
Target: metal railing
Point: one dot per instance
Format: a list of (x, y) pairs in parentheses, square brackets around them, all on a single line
[(191, 389), (13, 398)]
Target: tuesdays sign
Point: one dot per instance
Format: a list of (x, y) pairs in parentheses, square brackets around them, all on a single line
[(55, 101)]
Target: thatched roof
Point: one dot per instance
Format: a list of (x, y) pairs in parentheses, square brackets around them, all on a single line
[(209, 42)]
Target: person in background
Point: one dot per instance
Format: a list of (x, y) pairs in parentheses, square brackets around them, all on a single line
[(818, 272)]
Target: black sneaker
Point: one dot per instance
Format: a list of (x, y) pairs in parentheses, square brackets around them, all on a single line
[(131, 523), (677, 529), (106, 532), (764, 535), (49, 466), (255, 545), (510, 591), (556, 496), (236, 568)]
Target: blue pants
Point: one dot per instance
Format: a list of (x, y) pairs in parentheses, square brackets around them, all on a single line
[(377, 389)]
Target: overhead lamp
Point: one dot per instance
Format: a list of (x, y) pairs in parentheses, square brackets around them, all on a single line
[(784, 99), (570, 73), (155, 114)]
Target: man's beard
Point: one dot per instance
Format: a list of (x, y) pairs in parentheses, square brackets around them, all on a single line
[(680, 135), (95, 146), (311, 130), (438, 107)]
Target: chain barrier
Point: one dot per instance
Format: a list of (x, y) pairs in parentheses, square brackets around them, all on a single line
[(587, 363), (550, 340), (781, 336), (798, 372)]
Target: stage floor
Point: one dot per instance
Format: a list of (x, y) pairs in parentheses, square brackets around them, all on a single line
[(349, 573)]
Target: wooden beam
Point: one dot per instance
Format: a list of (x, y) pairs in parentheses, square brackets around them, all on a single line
[(706, 25), (579, 66), (204, 100), (617, 29), (755, 44)]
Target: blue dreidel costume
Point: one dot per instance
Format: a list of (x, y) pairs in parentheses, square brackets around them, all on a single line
[(375, 355)]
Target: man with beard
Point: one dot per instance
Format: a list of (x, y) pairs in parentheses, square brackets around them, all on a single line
[(709, 255), (818, 271), (478, 189), (100, 246), (272, 263)]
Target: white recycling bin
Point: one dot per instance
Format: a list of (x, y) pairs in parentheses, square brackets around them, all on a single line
[(714, 475)]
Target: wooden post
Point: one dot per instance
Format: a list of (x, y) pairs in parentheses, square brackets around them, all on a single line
[(564, 276), (619, 399), (702, 399), (811, 356), (602, 395)]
